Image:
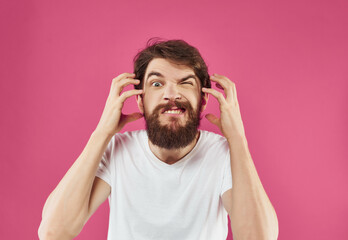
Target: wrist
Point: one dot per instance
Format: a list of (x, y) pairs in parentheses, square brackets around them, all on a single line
[(101, 133), (237, 139)]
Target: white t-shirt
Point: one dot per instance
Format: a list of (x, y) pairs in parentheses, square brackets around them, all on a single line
[(151, 199)]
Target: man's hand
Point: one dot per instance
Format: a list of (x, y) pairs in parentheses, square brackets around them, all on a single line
[(112, 119), (230, 121), (251, 212)]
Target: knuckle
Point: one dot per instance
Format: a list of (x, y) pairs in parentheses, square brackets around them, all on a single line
[(122, 76), (230, 85), (124, 95), (226, 78), (117, 85), (121, 99), (229, 82), (115, 80)]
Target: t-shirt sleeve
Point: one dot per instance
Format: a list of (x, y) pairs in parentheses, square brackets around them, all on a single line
[(103, 170), (227, 175)]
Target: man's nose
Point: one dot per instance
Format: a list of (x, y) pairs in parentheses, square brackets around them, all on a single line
[(171, 92)]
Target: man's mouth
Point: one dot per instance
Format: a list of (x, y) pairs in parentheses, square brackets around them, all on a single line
[(174, 110)]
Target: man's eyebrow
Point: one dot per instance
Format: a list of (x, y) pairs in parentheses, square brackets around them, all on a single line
[(189, 76), (153, 73)]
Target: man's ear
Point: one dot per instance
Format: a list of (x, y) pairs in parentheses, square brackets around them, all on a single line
[(139, 99), (205, 98)]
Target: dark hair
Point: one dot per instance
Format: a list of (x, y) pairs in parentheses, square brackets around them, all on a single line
[(177, 51)]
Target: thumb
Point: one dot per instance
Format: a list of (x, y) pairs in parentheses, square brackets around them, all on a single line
[(132, 117), (213, 119)]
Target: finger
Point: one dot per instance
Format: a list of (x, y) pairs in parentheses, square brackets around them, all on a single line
[(213, 119), (130, 93), (123, 75), (128, 118), (219, 86), (120, 77), (225, 83), (218, 95), (235, 94), (132, 117), (123, 83)]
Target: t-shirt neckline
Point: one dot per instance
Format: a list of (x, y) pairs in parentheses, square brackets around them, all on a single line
[(179, 163)]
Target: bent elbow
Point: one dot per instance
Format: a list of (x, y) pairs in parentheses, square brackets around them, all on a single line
[(46, 232)]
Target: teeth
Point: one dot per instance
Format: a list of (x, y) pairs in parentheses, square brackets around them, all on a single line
[(173, 111)]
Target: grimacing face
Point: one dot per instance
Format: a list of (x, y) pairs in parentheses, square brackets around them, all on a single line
[(171, 103), (163, 82)]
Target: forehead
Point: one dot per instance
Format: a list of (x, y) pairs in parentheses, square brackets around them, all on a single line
[(168, 69)]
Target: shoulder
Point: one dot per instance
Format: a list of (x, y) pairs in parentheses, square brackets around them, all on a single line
[(211, 136), (130, 136), (215, 149), (212, 140)]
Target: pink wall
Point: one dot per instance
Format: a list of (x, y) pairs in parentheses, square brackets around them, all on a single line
[(287, 58)]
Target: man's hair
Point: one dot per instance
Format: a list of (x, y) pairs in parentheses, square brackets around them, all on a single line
[(177, 51)]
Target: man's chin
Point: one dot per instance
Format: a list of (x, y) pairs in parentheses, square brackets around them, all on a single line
[(173, 124), (172, 132)]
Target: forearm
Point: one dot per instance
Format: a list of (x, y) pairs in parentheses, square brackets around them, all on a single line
[(67, 206), (252, 216)]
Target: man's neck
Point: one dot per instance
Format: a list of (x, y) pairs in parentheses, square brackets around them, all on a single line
[(171, 156)]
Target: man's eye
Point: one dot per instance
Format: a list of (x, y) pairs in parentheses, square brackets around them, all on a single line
[(156, 84), (187, 83)]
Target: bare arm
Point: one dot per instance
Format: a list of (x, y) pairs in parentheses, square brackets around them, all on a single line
[(67, 207), (251, 212), (79, 193)]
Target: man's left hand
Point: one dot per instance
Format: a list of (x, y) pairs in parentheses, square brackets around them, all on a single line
[(230, 122)]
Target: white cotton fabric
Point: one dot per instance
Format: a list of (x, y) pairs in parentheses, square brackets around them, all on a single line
[(153, 200)]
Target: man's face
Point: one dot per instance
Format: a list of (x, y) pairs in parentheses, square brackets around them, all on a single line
[(171, 103)]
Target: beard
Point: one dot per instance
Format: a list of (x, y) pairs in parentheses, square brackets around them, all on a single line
[(173, 135)]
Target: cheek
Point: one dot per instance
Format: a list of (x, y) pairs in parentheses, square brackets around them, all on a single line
[(195, 101), (148, 104)]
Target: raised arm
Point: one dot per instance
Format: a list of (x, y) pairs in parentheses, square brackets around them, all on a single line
[(80, 193)]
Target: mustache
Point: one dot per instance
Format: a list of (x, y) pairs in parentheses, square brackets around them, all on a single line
[(168, 106)]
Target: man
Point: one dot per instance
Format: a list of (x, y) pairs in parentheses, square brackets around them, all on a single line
[(170, 181)]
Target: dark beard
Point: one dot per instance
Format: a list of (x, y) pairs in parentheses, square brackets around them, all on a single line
[(173, 135)]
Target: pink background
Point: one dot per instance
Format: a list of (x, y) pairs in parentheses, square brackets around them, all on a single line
[(287, 58)]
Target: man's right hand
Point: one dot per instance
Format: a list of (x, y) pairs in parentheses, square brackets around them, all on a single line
[(112, 119)]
